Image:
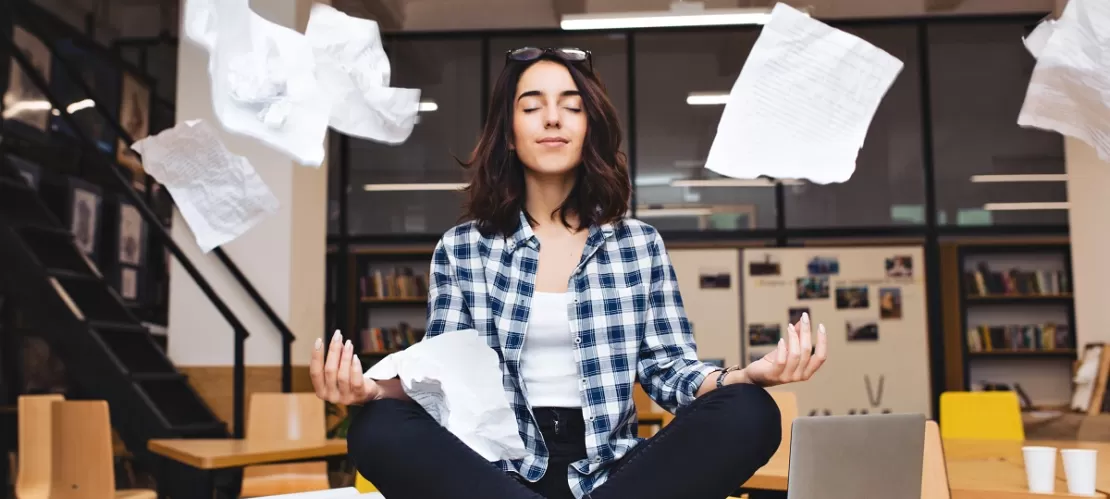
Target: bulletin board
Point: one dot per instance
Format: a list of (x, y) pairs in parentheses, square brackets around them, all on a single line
[(871, 301)]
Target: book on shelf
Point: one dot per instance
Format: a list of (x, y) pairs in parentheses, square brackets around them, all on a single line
[(1019, 337), (986, 282), (390, 339), (399, 282)]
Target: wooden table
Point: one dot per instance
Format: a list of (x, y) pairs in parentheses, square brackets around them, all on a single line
[(189, 466), (976, 469)]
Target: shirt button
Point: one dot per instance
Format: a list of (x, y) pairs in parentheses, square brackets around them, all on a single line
[(583, 382), (597, 460), (577, 340)]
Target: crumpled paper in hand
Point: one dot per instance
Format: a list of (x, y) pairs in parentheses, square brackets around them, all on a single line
[(219, 194), (285, 89), (352, 65), (1069, 92), (456, 377)]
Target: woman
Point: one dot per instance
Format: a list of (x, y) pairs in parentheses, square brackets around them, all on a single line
[(580, 303)]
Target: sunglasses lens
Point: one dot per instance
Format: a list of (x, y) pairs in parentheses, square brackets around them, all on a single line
[(570, 54), (525, 54)]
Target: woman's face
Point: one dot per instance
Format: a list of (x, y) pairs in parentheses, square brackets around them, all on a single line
[(549, 122)]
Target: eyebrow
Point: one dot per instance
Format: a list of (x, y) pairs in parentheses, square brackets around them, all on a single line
[(537, 93)]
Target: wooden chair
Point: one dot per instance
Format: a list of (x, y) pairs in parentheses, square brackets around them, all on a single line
[(652, 417), (35, 448), (788, 407), (82, 464), (934, 470), (285, 417), (994, 415)]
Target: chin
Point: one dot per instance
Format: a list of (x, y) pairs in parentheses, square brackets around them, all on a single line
[(552, 166)]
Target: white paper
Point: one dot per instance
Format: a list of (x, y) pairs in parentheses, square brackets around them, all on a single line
[(1069, 92), (352, 65), (1036, 40), (219, 194), (803, 102), (343, 493), (457, 378)]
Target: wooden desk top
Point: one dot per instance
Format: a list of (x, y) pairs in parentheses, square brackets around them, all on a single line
[(976, 469), (231, 453)]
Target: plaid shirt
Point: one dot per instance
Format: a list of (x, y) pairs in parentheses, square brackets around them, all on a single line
[(627, 320)]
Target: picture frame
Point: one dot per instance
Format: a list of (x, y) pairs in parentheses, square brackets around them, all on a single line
[(85, 205), (134, 117), (23, 100), (131, 236)]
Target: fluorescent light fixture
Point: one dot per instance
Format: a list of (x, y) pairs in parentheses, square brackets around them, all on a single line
[(707, 98), (1025, 206), (733, 182), (1030, 177), (413, 187), (672, 212), (428, 106), (681, 14)]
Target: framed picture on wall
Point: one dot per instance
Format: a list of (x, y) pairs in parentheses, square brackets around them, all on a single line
[(23, 101), (132, 235), (84, 222), (129, 284), (134, 116)]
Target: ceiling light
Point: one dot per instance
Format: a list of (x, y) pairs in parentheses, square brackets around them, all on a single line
[(1029, 177), (681, 14), (413, 187), (707, 98), (1025, 206), (428, 106)]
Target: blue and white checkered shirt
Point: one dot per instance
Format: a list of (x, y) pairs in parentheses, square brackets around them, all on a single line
[(627, 320)]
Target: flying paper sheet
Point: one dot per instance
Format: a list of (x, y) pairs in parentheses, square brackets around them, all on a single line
[(284, 88), (803, 102), (219, 194), (351, 64), (456, 377), (343, 493), (1069, 91)]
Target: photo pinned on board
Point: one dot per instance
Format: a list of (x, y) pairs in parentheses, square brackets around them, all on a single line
[(890, 303), (823, 265), (813, 288), (714, 280), (794, 315), (852, 297), (764, 334), (863, 330), (899, 266), (766, 267)]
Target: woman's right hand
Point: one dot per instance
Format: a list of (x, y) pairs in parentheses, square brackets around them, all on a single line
[(339, 379)]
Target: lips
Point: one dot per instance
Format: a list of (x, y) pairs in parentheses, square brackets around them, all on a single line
[(553, 140)]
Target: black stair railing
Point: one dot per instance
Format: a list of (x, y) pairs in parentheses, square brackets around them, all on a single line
[(101, 161), (32, 14)]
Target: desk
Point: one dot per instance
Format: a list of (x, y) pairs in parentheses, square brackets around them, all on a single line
[(189, 465), (976, 469)]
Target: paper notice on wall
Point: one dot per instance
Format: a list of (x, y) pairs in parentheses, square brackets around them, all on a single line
[(1069, 92), (352, 65), (803, 102), (219, 194)]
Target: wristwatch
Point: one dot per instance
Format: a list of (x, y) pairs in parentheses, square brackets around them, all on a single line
[(724, 372)]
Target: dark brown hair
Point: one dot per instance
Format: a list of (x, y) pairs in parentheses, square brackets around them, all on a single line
[(495, 195)]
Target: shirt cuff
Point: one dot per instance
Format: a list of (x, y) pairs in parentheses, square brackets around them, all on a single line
[(697, 374)]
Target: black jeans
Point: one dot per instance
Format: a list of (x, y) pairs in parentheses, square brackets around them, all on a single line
[(712, 447)]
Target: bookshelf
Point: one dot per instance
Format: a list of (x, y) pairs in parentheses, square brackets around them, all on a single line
[(1016, 317), (387, 299)]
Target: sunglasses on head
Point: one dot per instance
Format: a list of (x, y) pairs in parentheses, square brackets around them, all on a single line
[(567, 54)]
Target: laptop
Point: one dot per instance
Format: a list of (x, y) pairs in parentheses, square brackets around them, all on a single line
[(849, 457)]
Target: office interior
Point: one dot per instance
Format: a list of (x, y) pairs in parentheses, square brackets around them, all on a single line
[(948, 286)]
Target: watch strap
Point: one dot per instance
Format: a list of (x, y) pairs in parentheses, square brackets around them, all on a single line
[(724, 373)]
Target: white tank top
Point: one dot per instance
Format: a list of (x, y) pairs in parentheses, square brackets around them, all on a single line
[(547, 358)]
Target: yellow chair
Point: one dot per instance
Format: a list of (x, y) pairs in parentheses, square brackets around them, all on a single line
[(363, 485), (994, 415)]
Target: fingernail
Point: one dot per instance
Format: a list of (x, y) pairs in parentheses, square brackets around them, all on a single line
[(336, 336), (348, 345), (782, 342), (319, 343), (821, 329), (805, 317)]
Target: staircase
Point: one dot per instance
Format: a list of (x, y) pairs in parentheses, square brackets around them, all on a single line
[(107, 352)]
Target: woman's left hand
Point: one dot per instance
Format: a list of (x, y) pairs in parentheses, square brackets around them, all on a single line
[(795, 358)]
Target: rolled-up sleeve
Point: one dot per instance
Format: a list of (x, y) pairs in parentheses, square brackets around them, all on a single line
[(669, 369), (447, 309)]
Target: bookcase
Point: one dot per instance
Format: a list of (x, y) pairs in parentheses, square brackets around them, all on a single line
[(1017, 317), (387, 299)]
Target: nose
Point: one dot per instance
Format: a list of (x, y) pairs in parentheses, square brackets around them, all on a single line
[(551, 117)]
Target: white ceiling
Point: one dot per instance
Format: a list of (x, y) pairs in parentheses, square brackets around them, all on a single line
[(437, 15)]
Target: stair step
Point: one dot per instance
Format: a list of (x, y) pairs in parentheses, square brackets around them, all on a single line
[(20, 203), (54, 248), (136, 350), (110, 326), (177, 402), (156, 376), (70, 274), (96, 301), (216, 429)]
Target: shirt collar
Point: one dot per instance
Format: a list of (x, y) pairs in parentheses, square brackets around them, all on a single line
[(525, 236)]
